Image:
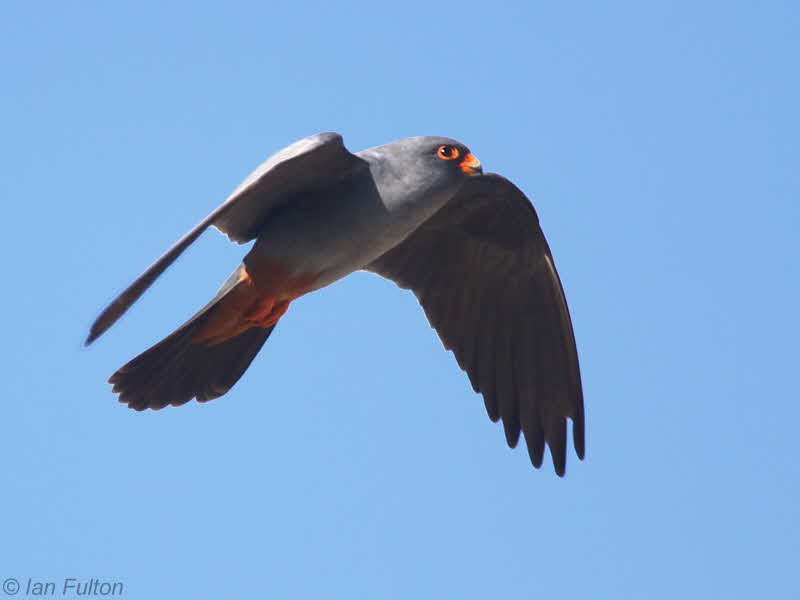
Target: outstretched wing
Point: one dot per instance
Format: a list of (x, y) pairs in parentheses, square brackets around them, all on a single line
[(309, 164), (483, 272)]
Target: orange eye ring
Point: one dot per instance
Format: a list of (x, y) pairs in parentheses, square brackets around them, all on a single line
[(448, 153)]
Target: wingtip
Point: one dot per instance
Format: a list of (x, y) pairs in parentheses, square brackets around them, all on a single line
[(578, 438), (101, 324), (95, 331), (559, 462)]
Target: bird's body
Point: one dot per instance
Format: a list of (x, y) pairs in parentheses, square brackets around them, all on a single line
[(417, 211), (334, 231)]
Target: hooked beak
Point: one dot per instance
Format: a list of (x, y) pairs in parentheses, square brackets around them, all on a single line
[(471, 165)]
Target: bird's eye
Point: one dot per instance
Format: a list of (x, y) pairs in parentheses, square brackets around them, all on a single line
[(447, 152)]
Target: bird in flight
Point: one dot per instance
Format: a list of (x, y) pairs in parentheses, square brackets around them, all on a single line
[(418, 211)]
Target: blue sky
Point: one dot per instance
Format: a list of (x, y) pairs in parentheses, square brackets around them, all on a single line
[(659, 145)]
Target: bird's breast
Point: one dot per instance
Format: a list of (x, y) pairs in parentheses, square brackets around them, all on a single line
[(334, 233)]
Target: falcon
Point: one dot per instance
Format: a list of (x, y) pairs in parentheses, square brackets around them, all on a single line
[(418, 211)]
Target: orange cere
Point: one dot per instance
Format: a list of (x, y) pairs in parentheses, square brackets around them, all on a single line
[(259, 299), (470, 164)]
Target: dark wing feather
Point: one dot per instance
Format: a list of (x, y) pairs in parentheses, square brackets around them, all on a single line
[(483, 272), (314, 162)]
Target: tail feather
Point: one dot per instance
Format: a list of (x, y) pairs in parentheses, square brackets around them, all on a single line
[(179, 368)]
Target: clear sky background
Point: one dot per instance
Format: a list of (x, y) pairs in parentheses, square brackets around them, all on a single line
[(658, 142)]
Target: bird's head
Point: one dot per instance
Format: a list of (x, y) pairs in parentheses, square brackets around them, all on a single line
[(452, 155), (440, 154), (428, 163)]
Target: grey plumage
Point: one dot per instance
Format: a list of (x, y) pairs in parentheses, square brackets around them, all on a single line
[(315, 162), (416, 211)]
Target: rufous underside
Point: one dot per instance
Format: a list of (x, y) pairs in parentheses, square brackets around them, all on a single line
[(259, 299)]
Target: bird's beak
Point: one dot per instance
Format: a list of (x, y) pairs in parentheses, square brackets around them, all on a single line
[(471, 165)]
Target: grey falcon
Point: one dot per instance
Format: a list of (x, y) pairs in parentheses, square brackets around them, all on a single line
[(417, 211)]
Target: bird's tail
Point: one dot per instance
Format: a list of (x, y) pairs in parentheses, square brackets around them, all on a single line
[(195, 361)]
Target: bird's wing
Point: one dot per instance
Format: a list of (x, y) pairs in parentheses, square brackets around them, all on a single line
[(483, 272), (309, 164)]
